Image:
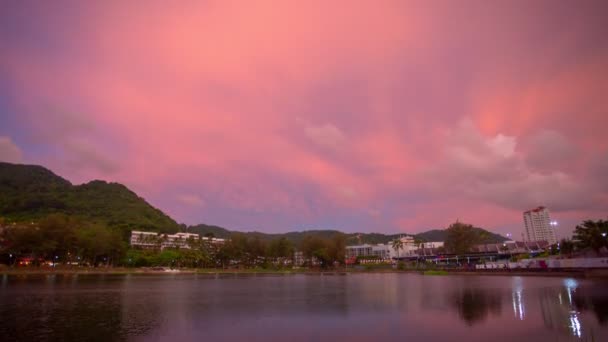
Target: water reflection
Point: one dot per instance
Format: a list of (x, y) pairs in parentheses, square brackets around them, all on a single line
[(594, 300), (301, 308), (563, 309), (517, 299), (96, 314), (474, 304)]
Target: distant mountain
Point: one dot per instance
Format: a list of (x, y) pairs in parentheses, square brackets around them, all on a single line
[(215, 231), (223, 233), (29, 192), (351, 238), (440, 235)]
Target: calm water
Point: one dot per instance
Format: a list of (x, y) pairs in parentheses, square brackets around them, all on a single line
[(361, 307)]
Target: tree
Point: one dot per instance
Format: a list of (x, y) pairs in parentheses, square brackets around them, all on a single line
[(61, 230), (460, 238), (337, 248), (326, 251), (592, 234), (53, 237), (26, 240), (98, 243), (255, 251), (566, 247), (280, 250), (314, 247), (397, 245)]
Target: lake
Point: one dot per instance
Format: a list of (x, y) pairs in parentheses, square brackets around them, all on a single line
[(353, 307)]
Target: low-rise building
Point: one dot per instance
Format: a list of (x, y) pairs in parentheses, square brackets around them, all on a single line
[(380, 251), (432, 244), (512, 247), (144, 239), (300, 260), (153, 240)]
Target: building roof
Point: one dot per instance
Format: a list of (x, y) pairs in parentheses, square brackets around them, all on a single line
[(535, 210), (142, 232)]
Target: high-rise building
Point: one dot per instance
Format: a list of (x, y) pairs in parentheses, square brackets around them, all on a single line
[(538, 225)]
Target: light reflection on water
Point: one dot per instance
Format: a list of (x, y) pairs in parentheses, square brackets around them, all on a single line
[(575, 324), (301, 308), (518, 303)]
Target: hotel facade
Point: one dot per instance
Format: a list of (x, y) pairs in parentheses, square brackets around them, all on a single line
[(538, 225), (153, 240)]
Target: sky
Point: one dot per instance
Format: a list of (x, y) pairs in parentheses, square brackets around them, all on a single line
[(369, 116)]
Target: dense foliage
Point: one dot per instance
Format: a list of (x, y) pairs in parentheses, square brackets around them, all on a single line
[(592, 235), (460, 238), (30, 193), (327, 251), (60, 238)]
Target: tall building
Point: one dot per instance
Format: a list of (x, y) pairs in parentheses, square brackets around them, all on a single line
[(538, 225)]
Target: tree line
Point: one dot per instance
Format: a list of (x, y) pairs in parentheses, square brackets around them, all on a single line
[(61, 238), (69, 240)]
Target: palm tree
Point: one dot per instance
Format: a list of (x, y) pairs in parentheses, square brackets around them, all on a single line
[(397, 244)]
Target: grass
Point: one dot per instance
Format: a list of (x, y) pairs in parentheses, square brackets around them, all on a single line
[(435, 272)]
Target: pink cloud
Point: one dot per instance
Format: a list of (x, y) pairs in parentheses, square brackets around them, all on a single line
[(9, 151), (309, 108)]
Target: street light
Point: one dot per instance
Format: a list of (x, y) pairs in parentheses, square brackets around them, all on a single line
[(604, 234)]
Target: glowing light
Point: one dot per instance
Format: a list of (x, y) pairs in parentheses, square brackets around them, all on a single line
[(575, 324), (571, 285)]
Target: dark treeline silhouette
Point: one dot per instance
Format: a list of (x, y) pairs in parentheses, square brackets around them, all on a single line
[(66, 240)]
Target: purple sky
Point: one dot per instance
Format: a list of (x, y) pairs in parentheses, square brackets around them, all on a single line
[(375, 116)]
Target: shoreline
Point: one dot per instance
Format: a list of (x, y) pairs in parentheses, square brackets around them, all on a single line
[(574, 273)]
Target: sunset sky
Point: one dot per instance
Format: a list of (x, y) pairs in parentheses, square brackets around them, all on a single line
[(373, 116)]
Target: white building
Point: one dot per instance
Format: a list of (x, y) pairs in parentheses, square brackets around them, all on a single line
[(148, 240), (409, 247), (143, 239), (380, 251), (432, 244), (538, 225)]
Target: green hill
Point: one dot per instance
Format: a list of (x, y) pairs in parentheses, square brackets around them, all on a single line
[(29, 192)]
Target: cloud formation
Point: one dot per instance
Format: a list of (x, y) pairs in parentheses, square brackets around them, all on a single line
[(9, 151), (489, 169), (191, 200), (290, 114), (326, 135)]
